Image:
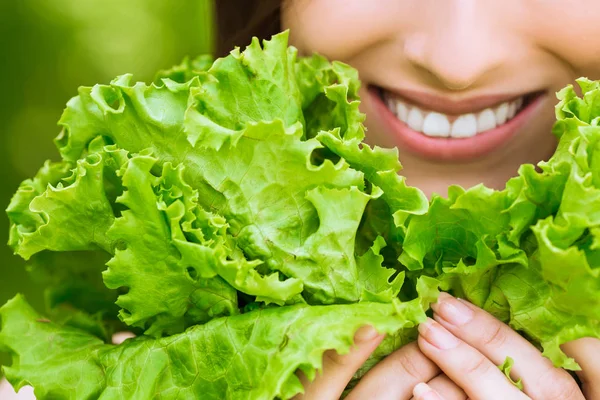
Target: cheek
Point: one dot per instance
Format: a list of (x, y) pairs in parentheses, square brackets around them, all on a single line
[(570, 32), (376, 129), (340, 28)]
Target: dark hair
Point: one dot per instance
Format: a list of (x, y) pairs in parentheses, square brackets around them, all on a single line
[(237, 21)]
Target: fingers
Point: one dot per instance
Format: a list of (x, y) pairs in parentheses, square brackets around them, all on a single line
[(464, 365), (496, 340), (443, 384), (586, 352), (396, 376), (339, 369), (423, 391)]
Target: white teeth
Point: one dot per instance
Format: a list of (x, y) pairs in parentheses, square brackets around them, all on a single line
[(401, 111), (415, 119), (486, 120), (519, 103), (390, 103), (464, 126), (436, 125), (502, 114), (512, 110)]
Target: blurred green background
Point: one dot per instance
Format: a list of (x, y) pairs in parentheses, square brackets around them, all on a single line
[(49, 48)]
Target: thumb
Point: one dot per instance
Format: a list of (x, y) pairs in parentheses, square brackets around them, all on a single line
[(338, 370)]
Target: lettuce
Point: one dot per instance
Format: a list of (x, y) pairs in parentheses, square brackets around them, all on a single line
[(231, 216)]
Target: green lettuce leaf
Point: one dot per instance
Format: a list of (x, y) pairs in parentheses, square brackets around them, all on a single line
[(252, 86), (74, 215), (254, 355), (186, 70), (506, 367), (74, 279), (60, 362), (232, 217), (23, 220), (163, 294)]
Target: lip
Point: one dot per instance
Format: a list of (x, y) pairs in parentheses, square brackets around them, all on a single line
[(454, 149), (451, 106)]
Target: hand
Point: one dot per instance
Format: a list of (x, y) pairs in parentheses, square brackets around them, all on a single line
[(457, 354), (467, 344), (393, 378)]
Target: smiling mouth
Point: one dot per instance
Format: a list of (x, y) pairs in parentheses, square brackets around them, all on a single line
[(443, 129), (438, 124)]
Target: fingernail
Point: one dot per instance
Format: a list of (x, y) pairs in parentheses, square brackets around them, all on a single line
[(437, 335), (423, 391), (365, 334), (452, 310)]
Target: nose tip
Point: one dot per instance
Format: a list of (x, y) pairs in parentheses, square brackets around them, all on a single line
[(455, 76), (456, 60)]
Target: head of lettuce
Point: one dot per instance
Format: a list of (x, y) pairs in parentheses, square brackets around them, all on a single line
[(230, 215)]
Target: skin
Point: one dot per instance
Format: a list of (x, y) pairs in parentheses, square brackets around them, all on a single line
[(457, 49), (456, 355)]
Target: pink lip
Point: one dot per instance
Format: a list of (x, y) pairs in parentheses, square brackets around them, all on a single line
[(448, 149), (452, 106)]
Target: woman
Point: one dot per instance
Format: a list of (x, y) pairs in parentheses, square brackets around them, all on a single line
[(465, 90)]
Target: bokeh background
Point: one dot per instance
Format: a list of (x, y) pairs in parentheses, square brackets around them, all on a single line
[(48, 48)]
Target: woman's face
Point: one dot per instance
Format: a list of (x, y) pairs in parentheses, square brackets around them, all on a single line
[(464, 88)]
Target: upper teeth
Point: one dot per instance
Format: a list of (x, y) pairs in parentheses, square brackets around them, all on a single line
[(436, 124)]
